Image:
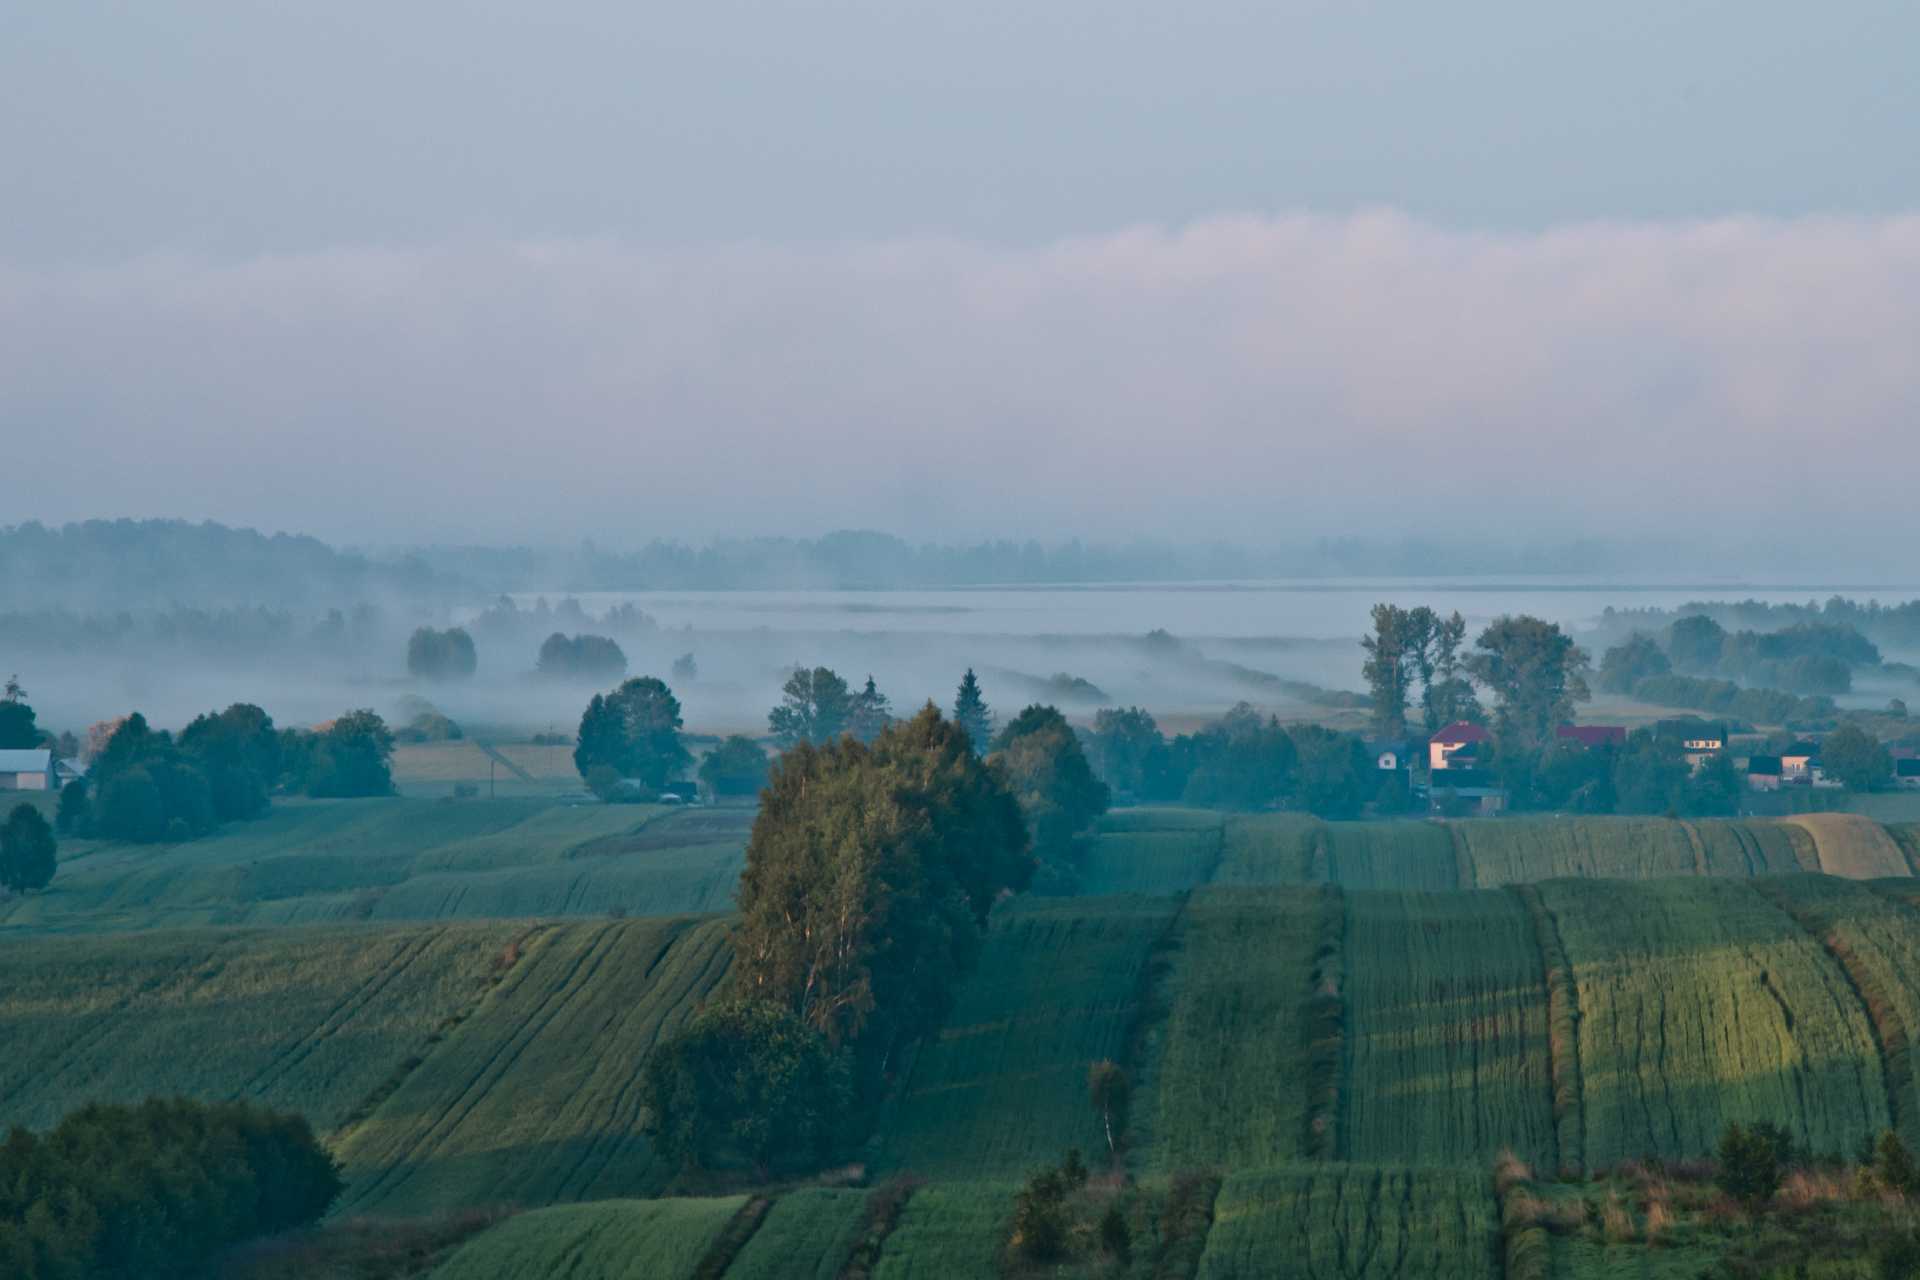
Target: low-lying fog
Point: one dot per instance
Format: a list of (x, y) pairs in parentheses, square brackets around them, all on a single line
[(1287, 647)]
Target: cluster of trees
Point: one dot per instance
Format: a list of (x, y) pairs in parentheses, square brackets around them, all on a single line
[(147, 785), (816, 705), (1242, 761), (1039, 757), (870, 873), (1409, 645), (581, 657), (1648, 774), (632, 734), (1897, 625), (441, 655), (156, 1190), (1809, 659), (735, 769)]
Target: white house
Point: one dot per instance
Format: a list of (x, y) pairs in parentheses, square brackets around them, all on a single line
[(26, 770)]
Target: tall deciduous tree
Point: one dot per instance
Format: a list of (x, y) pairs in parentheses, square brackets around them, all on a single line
[(1060, 797), (1446, 694), (353, 756), (1625, 665), (1855, 758), (441, 655), (869, 876), (971, 713), (815, 706), (1128, 748), (1389, 668), (1536, 672)]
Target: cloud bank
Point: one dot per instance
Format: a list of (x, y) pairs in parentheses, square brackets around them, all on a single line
[(1250, 379)]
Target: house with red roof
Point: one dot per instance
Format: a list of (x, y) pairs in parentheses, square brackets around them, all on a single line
[(1462, 738)]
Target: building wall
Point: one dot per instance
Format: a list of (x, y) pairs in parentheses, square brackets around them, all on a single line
[(23, 782)]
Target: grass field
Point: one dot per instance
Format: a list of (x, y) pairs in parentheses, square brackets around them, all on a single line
[(397, 859), (1447, 1030), (533, 1098), (1350, 1222), (1221, 1081), (610, 1240), (1003, 1088), (1702, 1003)]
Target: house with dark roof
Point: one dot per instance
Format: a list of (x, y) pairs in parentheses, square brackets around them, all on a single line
[(1458, 790), (1798, 761), (1763, 773), (1390, 755), (1906, 774), (1448, 744)]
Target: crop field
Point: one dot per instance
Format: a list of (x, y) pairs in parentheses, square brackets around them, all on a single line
[(611, 1240), (533, 1098), (1267, 849), (1852, 846), (1153, 851), (1222, 1079), (1390, 855), (1003, 1087), (1447, 1030), (807, 1235), (949, 1231), (1350, 1222), (313, 1025), (1702, 1003), (1876, 940), (310, 861)]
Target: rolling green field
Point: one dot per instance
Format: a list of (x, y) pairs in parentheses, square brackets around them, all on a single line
[(313, 861), (1341, 1023)]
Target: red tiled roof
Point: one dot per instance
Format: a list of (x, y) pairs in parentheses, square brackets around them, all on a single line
[(1592, 735), (1461, 731)]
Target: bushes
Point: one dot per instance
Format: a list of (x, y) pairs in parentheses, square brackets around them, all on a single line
[(26, 850), (1752, 1160), (155, 1190)]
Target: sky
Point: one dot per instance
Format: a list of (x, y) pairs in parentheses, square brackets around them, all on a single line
[(1223, 270)]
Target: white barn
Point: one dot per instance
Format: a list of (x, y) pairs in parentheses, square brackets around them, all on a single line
[(24, 770)]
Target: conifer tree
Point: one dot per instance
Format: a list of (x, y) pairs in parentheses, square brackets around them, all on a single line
[(971, 713)]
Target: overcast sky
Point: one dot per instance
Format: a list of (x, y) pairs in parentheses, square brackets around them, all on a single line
[(1255, 270)]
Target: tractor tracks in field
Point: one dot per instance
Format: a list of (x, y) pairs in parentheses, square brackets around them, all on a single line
[(1892, 1038), (1563, 1031)]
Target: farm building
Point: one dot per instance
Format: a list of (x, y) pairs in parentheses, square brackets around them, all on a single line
[(1700, 740), (22, 770), (1460, 736), (1906, 774), (1457, 792), (1591, 736), (1390, 756)]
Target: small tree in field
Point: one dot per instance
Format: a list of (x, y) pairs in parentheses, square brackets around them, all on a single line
[(27, 850), (1750, 1162), (1110, 1091)]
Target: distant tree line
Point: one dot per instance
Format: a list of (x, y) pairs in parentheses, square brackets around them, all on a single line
[(1243, 760), (147, 785), (1896, 625), (155, 1191)]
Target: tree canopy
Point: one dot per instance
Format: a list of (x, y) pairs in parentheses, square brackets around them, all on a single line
[(582, 657), (971, 713), (870, 872), (17, 728), (1040, 757), (815, 706), (737, 767), (1536, 673), (27, 850), (635, 731), (441, 655)]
